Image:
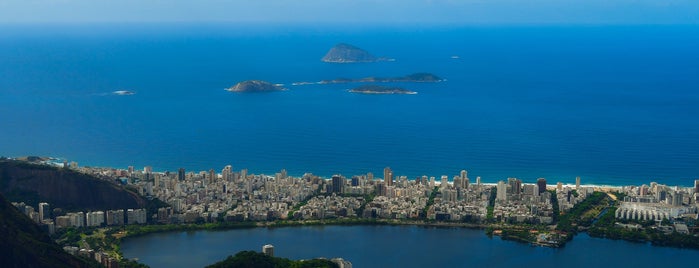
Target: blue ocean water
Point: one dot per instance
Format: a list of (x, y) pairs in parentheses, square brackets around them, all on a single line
[(611, 104)]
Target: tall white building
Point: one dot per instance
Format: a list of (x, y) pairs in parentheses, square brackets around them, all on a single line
[(501, 191), (268, 250), (577, 183), (94, 218), (44, 211)]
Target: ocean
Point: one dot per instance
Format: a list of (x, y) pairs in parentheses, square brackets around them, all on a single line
[(614, 105)]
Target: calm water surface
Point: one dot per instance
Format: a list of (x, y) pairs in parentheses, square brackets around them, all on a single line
[(614, 105), (397, 246)]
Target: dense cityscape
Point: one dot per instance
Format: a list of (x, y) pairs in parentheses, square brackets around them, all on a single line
[(240, 196)]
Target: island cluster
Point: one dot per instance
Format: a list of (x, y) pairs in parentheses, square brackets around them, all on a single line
[(345, 53)]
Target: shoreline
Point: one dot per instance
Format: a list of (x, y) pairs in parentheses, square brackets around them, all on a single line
[(58, 162)]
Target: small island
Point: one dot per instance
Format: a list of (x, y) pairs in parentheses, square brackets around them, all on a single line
[(255, 86), (346, 53), (411, 78), (374, 89), (123, 93)]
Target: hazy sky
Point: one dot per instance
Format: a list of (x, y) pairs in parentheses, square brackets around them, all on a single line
[(355, 11)]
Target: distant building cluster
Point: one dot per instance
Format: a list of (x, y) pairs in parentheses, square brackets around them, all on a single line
[(657, 202), (80, 219), (236, 195), (100, 256), (232, 195)]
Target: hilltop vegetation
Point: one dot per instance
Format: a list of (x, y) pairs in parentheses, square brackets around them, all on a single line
[(259, 260)]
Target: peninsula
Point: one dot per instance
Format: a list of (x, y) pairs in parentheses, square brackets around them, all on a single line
[(374, 89), (346, 53), (255, 86)]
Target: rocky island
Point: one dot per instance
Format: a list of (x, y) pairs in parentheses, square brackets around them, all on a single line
[(374, 89), (346, 53), (255, 86)]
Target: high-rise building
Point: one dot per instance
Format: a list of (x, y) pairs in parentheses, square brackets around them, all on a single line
[(180, 174), (696, 186), (227, 173), (531, 189), (136, 216), (244, 174), (457, 182), (355, 181), (515, 185), (94, 218), (44, 212), (370, 176), (577, 183), (541, 183), (464, 179), (388, 176), (268, 250), (212, 176), (559, 186), (338, 183), (501, 191), (147, 169), (677, 198), (115, 217)]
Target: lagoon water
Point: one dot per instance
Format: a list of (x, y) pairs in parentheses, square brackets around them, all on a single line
[(396, 246), (614, 105)]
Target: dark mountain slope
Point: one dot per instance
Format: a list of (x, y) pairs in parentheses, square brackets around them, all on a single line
[(24, 244), (62, 188)]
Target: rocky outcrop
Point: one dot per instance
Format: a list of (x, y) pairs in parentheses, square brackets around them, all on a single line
[(62, 188), (255, 86), (345, 53)]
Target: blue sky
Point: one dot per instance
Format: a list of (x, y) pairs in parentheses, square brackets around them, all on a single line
[(355, 11)]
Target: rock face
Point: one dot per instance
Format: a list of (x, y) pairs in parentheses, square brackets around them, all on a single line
[(62, 188), (255, 86), (345, 53)]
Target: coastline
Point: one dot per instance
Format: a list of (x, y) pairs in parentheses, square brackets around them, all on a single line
[(580, 217), (59, 161)]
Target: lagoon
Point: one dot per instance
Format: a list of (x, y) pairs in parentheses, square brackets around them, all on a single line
[(396, 246)]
